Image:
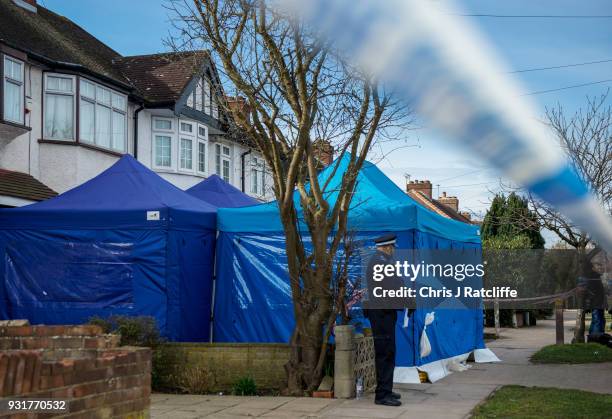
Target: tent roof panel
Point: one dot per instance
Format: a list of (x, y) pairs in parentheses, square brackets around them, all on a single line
[(217, 192), (125, 195), (378, 205)]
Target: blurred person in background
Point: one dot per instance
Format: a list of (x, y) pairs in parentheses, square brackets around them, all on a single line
[(596, 296)]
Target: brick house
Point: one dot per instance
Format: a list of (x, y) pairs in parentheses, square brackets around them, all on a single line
[(446, 206), (70, 106)]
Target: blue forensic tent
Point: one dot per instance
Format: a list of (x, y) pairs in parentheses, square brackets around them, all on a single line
[(126, 242), (221, 194), (253, 297)]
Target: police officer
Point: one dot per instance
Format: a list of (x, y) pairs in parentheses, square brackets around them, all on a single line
[(383, 321)]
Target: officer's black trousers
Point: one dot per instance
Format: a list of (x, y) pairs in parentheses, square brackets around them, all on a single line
[(383, 330)]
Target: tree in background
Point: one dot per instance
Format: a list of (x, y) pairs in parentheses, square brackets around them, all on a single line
[(509, 224), (299, 92), (509, 227)]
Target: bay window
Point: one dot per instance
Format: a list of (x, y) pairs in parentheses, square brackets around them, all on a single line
[(186, 128), (13, 90), (186, 151), (186, 145), (223, 162), (102, 116), (163, 134), (257, 176), (160, 124), (202, 147), (59, 107), (163, 151)]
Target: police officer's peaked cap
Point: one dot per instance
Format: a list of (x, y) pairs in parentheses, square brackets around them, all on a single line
[(385, 240)]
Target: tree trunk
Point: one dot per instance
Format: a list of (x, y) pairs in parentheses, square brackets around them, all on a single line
[(579, 329), (303, 371)]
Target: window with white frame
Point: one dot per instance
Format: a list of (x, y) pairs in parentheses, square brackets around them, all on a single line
[(13, 90), (186, 153), (59, 107), (223, 162), (186, 145), (186, 128), (257, 176), (102, 116), (162, 124), (202, 148), (163, 151), (162, 143)]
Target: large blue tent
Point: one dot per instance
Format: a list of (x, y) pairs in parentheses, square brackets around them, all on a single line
[(126, 242), (221, 194), (253, 297)]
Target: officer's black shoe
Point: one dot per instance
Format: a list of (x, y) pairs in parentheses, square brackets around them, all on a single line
[(395, 395), (388, 401)]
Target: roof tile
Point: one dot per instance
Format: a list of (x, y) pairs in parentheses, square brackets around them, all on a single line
[(161, 77), (57, 38), (22, 185)]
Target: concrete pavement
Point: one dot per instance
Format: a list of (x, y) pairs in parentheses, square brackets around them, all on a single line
[(452, 397)]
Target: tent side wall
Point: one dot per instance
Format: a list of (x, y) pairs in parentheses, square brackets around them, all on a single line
[(253, 302), (253, 297), (69, 276), (189, 261), (454, 331)]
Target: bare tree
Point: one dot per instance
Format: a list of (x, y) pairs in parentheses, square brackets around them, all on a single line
[(300, 92), (586, 137)]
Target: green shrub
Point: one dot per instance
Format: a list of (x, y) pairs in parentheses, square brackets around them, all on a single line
[(245, 387), (134, 331), (105, 324)]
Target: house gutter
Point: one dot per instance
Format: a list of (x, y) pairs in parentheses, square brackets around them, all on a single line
[(242, 156), (136, 112)]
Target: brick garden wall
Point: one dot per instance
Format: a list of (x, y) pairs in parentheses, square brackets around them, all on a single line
[(225, 363), (76, 363)]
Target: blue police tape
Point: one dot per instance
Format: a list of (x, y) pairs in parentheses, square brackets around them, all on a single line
[(442, 67)]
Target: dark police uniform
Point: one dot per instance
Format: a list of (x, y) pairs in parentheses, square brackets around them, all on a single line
[(383, 322)]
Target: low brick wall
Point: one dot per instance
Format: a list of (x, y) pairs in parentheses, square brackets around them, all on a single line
[(76, 363), (226, 363)]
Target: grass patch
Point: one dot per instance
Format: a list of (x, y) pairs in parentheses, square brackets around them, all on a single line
[(541, 402), (575, 353)]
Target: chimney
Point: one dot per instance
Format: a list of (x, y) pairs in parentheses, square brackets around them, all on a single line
[(239, 105), (467, 215), (449, 201), (29, 5), (423, 186), (324, 151)]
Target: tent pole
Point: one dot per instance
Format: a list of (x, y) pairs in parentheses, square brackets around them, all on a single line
[(214, 290)]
